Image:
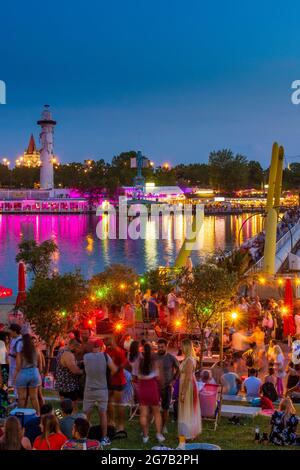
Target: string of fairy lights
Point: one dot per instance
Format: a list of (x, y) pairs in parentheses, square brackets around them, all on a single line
[(280, 280), (101, 293)]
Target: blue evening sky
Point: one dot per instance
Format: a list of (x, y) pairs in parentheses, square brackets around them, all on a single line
[(173, 78)]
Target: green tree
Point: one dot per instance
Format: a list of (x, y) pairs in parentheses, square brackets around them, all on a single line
[(24, 177), (5, 176), (121, 168), (228, 172), (160, 279), (194, 174), (291, 176), (52, 305), (164, 176), (69, 175), (37, 257), (237, 262), (116, 285), (255, 174), (207, 294)]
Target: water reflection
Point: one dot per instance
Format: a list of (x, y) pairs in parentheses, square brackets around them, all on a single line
[(79, 246)]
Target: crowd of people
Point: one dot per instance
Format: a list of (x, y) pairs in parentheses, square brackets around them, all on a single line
[(104, 376), (262, 365), (111, 373), (255, 246)]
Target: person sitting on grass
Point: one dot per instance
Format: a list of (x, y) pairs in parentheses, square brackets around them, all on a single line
[(33, 426), (205, 378), (284, 424), (268, 390), (12, 438), (231, 381), (67, 422), (294, 392), (51, 437), (293, 377), (252, 384), (270, 377), (80, 439)]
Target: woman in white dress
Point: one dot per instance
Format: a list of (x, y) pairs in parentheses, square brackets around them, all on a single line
[(189, 413)]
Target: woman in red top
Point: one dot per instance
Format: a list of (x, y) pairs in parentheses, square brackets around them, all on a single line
[(51, 437)]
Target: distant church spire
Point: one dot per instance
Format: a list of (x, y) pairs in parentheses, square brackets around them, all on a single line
[(31, 146), (31, 156)]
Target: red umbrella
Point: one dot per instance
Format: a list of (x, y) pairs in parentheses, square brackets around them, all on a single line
[(5, 292), (289, 328), (21, 285)]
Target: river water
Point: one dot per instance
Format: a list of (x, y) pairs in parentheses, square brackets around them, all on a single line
[(79, 245)]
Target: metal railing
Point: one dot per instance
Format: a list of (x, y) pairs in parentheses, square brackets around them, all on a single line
[(288, 236)]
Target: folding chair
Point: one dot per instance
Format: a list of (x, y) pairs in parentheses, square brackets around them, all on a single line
[(133, 405), (129, 397), (211, 402)]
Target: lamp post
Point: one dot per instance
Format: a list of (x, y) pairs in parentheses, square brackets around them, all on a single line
[(222, 336)]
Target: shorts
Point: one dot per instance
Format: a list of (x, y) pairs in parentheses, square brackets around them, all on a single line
[(166, 396), (237, 354), (28, 378), (74, 395), (116, 388), (98, 398)]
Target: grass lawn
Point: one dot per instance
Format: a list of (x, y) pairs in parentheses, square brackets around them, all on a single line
[(227, 435)]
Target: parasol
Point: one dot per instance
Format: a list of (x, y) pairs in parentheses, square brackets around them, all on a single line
[(289, 328), (5, 292), (21, 285)]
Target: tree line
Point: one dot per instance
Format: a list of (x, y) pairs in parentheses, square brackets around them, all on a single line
[(224, 171)]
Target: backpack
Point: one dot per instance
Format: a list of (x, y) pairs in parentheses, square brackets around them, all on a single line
[(269, 391)]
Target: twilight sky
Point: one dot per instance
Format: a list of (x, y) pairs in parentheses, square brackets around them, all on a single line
[(175, 79)]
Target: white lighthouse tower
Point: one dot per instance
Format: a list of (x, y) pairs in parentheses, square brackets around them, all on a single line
[(46, 138)]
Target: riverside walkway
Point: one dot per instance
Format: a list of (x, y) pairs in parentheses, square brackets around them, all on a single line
[(284, 247)]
